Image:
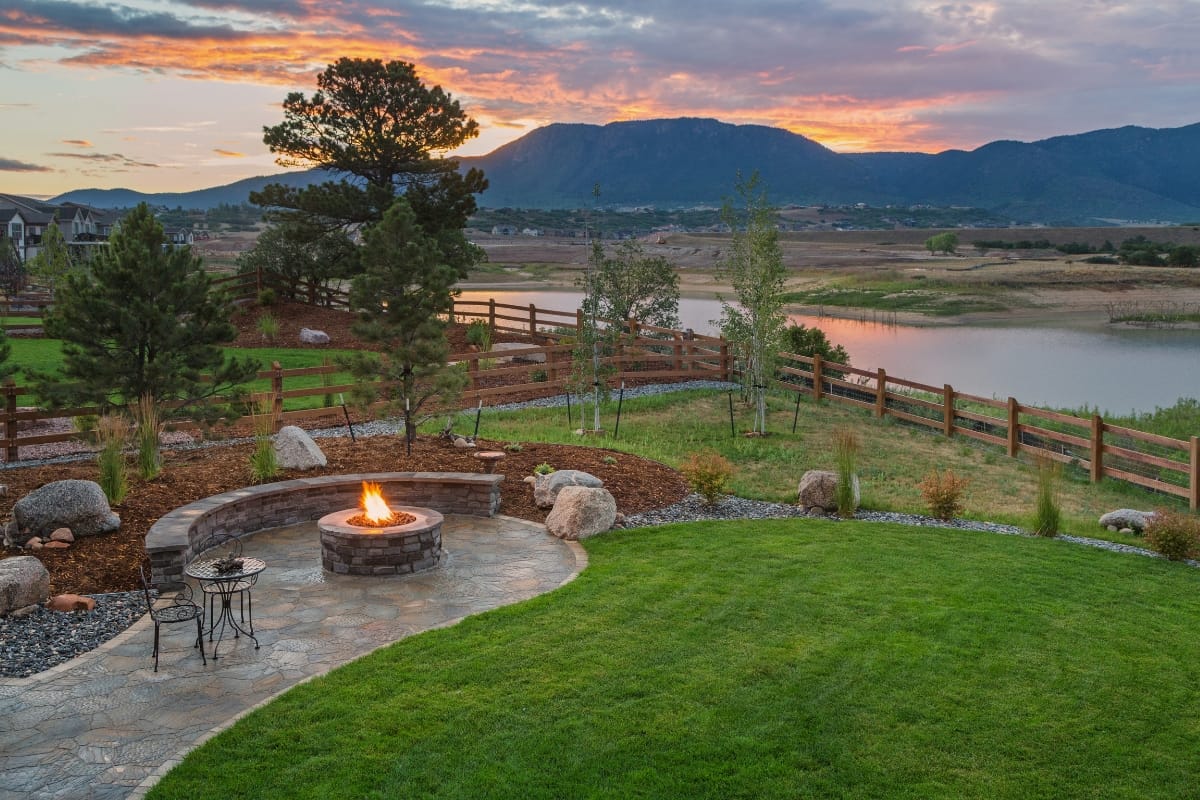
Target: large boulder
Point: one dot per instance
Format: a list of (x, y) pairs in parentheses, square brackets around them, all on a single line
[(295, 449), (580, 512), (534, 358), (1127, 518), (24, 581), (547, 487), (818, 491), (78, 505), (311, 336)]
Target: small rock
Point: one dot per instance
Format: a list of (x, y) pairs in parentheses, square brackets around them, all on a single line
[(311, 336), (56, 545), (1127, 518), (70, 602), (1112, 528), (35, 543), (295, 449), (3, 490), (462, 443), (25, 612), (1127, 531), (547, 487), (62, 535)]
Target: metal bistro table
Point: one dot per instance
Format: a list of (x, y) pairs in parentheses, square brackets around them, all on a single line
[(226, 584)]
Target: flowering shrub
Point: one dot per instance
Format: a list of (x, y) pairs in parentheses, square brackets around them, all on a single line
[(708, 474)]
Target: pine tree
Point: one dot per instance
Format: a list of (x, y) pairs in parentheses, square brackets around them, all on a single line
[(142, 321), (407, 283)]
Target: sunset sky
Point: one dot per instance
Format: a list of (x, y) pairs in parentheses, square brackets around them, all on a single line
[(157, 95)]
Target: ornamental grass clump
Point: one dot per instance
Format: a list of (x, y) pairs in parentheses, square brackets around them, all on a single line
[(112, 433), (264, 464), (149, 426), (268, 326), (708, 475), (1174, 534), (943, 493), (845, 450), (1047, 516)]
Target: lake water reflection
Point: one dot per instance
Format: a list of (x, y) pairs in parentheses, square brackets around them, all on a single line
[(1117, 370)]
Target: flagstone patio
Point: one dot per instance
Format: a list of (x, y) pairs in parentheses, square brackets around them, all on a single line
[(106, 726)]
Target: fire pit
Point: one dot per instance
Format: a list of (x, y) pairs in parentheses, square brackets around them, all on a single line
[(378, 540)]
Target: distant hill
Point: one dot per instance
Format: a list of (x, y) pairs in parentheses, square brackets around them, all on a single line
[(1128, 173), (229, 194)]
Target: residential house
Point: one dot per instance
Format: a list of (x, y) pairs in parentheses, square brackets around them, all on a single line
[(25, 219)]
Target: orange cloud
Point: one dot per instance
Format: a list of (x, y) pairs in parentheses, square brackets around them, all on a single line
[(77, 142), (228, 153)]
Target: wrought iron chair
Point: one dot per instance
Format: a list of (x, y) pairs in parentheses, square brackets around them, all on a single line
[(230, 547), (183, 609)]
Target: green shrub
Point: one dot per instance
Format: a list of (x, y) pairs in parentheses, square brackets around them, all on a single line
[(943, 493), (845, 449), (1174, 534), (266, 297), (539, 376), (513, 447), (264, 465), (149, 426), (708, 475), (267, 325), (112, 432), (609, 460), (543, 469), (479, 334), (1047, 517)]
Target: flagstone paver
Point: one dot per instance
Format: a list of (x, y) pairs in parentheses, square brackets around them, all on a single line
[(106, 726)]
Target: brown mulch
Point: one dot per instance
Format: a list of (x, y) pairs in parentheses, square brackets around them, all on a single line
[(109, 563)]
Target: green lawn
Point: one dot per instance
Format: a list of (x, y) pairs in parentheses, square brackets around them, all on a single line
[(760, 660)]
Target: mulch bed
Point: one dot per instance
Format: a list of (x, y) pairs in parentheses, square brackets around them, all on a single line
[(109, 563)]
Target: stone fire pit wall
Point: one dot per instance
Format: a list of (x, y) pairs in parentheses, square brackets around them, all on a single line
[(175, 539)]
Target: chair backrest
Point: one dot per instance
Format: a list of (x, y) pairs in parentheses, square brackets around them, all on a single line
[(229, 545), (146, 590)]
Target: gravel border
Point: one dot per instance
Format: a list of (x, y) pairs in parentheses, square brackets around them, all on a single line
[(43, 638)]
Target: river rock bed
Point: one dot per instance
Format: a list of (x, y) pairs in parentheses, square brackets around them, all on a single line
[(43, 638)]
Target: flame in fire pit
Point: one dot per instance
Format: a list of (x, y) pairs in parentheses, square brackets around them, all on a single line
[(376, 513), (374, 507)]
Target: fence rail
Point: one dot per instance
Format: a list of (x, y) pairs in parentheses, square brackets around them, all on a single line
[(644, 352)]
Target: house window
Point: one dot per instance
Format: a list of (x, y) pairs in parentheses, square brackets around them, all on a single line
[(16, 231)]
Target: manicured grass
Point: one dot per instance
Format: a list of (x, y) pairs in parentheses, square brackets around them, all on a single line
[(761, 660), (892, 461)]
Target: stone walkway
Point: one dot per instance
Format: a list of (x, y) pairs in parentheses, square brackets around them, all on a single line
[(106, 726)]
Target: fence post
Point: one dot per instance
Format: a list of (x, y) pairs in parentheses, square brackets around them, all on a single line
[(725, 371), (10, 423), (818, 379), (473, 372), (1194, 470), (633, 328), (947, 410), (492, 314), (578, 322), (678, 348), (880, 393), (1097, 448), (276, 396), (532, 319), (258, 281), (1014, 427)]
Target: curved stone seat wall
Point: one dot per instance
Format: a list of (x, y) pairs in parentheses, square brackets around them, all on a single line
[(175, 539)]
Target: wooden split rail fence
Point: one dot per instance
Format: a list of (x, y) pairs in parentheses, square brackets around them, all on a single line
[(1160, 463)]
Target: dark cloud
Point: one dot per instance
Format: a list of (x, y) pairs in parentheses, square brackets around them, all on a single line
[(12, 165), (94, 20), (107, 158)]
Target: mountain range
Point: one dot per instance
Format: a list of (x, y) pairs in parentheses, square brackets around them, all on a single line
[(1129, 173)]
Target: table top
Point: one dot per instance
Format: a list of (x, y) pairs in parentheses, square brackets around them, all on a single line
[(207, 570)]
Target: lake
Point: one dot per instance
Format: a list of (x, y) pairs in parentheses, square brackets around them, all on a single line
[(1114, 369)]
